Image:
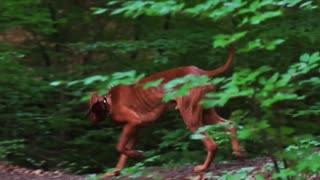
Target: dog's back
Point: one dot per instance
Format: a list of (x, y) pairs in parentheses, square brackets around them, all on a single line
[(173, 74)]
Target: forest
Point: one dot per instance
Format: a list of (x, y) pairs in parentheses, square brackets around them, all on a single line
[(55, 54)]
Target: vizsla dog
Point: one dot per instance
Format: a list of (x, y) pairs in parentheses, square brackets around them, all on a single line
[(136, 107)]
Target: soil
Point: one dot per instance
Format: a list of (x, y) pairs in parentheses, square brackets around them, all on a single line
[(254, 167), (10, 172), (257, 166)]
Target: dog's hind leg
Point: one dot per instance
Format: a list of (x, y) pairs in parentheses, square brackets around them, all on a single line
[(211, 117), (192, 115), (211, 147)]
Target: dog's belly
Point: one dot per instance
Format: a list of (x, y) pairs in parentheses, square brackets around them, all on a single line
[(151, 115)]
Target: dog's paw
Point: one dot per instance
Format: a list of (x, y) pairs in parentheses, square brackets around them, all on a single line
[(240, 154), (200, 168), (140, 154), (111, 174), (136, 154)]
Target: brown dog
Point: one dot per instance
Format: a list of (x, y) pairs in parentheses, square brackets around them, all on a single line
[(137, 107)]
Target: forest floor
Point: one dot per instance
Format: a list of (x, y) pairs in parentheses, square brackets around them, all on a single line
[(250, 168)]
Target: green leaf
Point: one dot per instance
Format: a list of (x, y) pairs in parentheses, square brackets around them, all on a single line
[(209, 103), (180, 86), (223, 40), (314, 58), (92, 79), (304, 58), (286, 130), (263, 124), (260, 17), (97, 11), (197, 136), (289, 3), (274, 78), (255, 44), (308, 5), (244, 134), (284, 174), (280, 97), (56, 83), (273, 44), (259, 177), (283, 81), (153, 83), (112, 2), (71, 83), (119, 75), (203, 129), (117, 11)]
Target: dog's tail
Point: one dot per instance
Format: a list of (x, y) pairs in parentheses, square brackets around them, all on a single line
[(226, 66)]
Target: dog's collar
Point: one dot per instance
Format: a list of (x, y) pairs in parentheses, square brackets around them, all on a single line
[(105, 105)]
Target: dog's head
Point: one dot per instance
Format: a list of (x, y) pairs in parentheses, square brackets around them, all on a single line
[(98, 108)]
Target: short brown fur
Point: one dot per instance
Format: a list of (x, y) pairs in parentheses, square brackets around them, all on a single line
[(137, 107)]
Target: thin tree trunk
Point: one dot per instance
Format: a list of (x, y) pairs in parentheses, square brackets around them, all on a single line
[(53, 16), (43, 51), (136, 36), (166, 27)]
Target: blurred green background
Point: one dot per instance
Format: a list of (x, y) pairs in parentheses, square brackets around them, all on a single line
[(54, 54)]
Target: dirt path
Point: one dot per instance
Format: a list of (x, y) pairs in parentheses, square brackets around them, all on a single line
[(9, 172), (249, 167)]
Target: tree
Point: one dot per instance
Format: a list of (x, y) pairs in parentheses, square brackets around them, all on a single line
[(67, 49)]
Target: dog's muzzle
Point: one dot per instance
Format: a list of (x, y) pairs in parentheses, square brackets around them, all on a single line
[(99, 111)]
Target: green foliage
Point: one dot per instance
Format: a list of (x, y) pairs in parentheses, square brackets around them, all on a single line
[(139, 169), (56, 53), (238, 174), (303, 157), (36, 19), (269, 93), (11, 148), (186, 83), (270, 96), (153, 83), (155, 8), (222, 40), (265, 90)]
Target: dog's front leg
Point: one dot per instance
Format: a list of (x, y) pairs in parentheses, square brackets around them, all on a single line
[(125, 147), (129, 132), (123, 159)]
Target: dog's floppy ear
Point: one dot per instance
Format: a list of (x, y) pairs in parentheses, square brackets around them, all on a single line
[(96, 110), (94, 99)]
